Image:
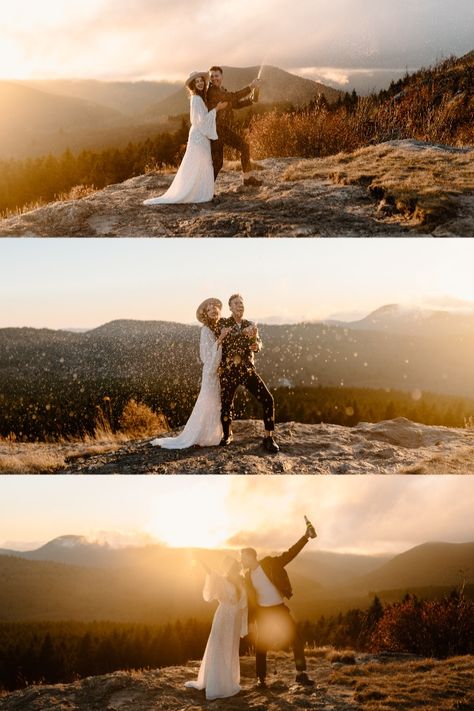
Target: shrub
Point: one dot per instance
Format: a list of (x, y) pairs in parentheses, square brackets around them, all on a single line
[(138, 420), (432, 628)]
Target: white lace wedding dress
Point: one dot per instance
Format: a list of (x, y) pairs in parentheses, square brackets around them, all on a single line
[(194, 181), (204, 426), (219, 673)]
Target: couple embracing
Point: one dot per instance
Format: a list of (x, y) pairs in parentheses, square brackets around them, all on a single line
[(257, 598), (212, 128), (227, 351)]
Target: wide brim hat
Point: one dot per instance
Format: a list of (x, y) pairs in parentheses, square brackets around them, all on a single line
[(195, 75), (201, 309)]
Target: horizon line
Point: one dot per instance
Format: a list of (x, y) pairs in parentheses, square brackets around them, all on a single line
[(331, 319)]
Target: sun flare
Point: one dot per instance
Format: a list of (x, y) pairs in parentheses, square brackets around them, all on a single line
[(194, 516)]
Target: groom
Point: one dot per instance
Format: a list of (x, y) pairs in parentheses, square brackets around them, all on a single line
[(267, 585), (237, 367), (227, 135)]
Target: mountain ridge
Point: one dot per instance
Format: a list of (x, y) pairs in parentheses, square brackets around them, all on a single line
[(292, 354), (160, 581)]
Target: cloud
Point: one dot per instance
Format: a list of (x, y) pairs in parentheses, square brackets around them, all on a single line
[(151, 38), (369, 514)]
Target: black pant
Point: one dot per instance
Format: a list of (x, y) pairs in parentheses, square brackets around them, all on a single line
[(230, 379), (276, 627), (228, 137)]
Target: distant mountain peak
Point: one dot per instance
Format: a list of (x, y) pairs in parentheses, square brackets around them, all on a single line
[(69, 541)]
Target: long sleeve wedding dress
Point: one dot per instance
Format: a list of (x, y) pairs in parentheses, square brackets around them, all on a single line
[(194, 181), (219, 673), (204, 426)]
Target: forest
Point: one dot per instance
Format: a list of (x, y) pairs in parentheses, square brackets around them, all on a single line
[(53, 652), (49, 410)]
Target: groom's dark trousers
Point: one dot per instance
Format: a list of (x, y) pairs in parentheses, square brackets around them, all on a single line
[(227, 135), (247, 376), (276, 627)]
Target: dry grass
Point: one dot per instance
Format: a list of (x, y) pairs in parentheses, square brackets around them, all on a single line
[(426, 685), (421, 184), (75, 193), (137, 422), (35, 458), (344, 656)]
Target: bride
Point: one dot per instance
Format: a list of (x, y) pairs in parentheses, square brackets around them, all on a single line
[(219, 673), (204, 426), (194, 181)]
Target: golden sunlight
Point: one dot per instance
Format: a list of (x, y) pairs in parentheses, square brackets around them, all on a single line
[(195, 516), (27, 30)]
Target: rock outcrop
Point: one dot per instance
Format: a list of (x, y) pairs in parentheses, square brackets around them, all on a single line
[(390, 447), (310, 207), (356, 682)]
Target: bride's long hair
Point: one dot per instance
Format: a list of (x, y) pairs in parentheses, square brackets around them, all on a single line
[(212, 325)]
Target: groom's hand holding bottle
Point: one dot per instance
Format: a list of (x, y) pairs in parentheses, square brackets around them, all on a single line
[(252, 333)]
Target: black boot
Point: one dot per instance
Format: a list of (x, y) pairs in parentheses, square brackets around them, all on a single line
[(270, 445), (226, 440), (253, 182), (303, 678)]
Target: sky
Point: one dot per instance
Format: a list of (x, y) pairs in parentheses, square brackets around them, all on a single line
[(356, 514), (83, 283), (337, 42)]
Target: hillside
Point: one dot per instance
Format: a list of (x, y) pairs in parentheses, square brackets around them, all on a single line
[(50, 116), (401, 682), (159, 584), (130, 98), (278, 87), (441, 563), (29, 114), (390, 348)]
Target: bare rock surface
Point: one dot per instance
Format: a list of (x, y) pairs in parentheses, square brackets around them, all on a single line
[(365, 682), (391, 447), (310, 207)]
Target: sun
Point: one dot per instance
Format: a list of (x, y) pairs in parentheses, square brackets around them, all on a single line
[(197, 515)]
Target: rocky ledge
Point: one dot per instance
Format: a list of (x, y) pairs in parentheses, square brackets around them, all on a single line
[(396, 446), (316, 204), (342, 683)]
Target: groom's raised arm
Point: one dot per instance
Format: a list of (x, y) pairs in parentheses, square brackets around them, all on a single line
[(292, 552)]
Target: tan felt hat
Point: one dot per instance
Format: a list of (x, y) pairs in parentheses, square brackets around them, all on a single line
[(195, 75), (201, 309)]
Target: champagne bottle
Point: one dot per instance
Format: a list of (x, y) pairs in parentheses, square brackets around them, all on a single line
[(310, 530)]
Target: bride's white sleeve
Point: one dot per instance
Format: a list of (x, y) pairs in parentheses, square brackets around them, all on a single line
[(209, 351), (214, 587), (202, 119)]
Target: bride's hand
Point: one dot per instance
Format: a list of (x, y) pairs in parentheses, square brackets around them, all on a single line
[(222, 105), (223, 334)]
